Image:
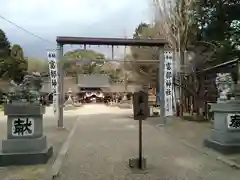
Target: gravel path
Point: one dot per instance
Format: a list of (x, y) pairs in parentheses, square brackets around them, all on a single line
[(103, 142)]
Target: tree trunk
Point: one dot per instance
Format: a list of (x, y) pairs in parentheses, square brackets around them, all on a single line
[(199, 100), (182, 62)]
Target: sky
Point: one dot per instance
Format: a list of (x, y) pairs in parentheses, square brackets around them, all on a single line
[(51, 18)]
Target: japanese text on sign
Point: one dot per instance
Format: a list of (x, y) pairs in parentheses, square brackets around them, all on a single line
[(168, 82), (233, 121), (53, 71), (140, 105), (22, 127)]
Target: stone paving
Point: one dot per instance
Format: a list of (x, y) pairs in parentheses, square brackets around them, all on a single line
[(192, 133), (103, 143), (55, 138)]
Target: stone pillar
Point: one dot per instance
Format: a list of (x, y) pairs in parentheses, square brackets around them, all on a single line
[(225, 135), (161, 84), (61, 95), (25, 144)]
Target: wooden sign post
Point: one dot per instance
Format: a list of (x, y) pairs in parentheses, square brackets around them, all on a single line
[(140, 111)]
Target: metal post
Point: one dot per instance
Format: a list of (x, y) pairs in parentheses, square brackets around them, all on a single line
[(60, 86), (140, 144), (161, 84)]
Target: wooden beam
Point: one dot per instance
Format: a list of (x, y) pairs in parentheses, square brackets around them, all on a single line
[(222, 65), (111, 41)]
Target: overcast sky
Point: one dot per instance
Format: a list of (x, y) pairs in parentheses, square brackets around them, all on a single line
[(51, 18)]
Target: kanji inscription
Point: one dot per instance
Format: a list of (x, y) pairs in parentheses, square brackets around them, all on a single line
[(22, 126), (233, 121)]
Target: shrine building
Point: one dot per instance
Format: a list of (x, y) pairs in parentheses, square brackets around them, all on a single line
[(91, 86)]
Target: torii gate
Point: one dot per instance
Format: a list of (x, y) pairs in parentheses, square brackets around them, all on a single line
[(63, 40)]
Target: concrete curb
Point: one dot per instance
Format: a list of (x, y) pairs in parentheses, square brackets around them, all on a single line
[(215, 155), (55, 169)]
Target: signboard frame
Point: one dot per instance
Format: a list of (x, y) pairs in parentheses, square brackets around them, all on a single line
[(140, 106), (168, 83), (53, 72)]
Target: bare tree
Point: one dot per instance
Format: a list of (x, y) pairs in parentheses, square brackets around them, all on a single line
[(174, 20)]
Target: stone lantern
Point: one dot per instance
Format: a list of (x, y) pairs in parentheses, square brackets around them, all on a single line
[(225, 135), (25, 143), (69, 104)]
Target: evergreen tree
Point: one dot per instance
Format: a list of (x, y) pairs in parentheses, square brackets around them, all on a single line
[(4, 53), (18, 62), (13, 65), (219, 24), (4, 45)]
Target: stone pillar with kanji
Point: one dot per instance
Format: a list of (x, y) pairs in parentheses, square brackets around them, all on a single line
[(25, 143), (225, 135)]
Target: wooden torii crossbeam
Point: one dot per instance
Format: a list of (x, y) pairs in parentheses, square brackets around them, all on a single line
[(62, 40)]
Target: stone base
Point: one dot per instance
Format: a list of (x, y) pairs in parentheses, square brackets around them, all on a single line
[(222, 148), (24, 109), (134, 163), (9, 159), (24, 145)]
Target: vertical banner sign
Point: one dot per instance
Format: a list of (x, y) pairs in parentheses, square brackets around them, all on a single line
[(53, 71), (168, 82)]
